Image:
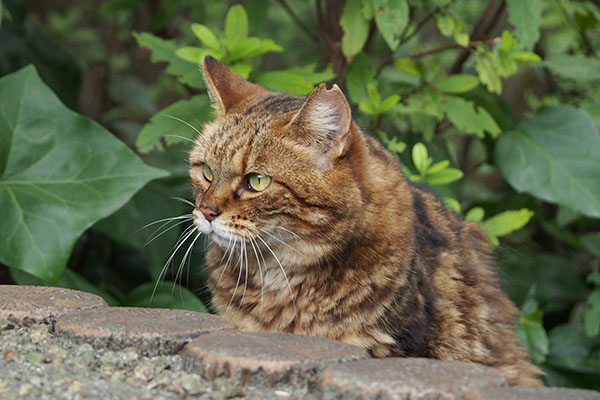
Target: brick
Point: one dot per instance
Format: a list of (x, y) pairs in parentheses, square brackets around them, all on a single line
[(408, 379), (545, 393), (265, 358), (152, 330), (26, 304)]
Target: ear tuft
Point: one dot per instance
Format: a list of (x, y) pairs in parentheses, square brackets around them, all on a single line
[(225, 88), (324, 120)]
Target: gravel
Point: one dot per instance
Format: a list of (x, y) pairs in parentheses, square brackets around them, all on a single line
[(36, 364)]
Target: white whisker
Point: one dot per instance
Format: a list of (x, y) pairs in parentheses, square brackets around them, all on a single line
[(279, 240), (284, 274), (154, 236), (262, 286), (183, 201), (239, 277), (188, 216), (183, 122)]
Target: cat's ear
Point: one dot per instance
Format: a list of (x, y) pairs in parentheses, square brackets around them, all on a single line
[(324, 121), (226, 88)]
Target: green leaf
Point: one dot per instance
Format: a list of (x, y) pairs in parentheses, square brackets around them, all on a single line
[(591, 242), (193, 54), (438, 166), (179, 119), (360, 74), (459, 83), (236, 23), (356, 28), (525, 56), (554, 156), (592, 314), (420, 157), (475, 214), (452, 204), (409, 66), (526, 17), (579, 68), (571, 349), (308, 72), (506, 222), (207, 36), (284, 81), (469, 118), (389, 102), (164, 295), (391, 18), (264, 46), (164, 50), (374, 96), (487, 71), (532, 333), (56, 179), (594, 277), (444, 176)]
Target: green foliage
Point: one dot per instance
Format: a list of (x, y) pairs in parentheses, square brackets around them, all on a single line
[(57, 180), (518, 155)]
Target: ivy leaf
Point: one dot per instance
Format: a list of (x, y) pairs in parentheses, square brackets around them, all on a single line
[(579, 68), (391, 18), (236, 24), (553, 156), (164, 295), (526, 17), (56, 179), (507, 222), (207, 36), (468, 118), (356, 28), (592, 314), (164, 50), (173, 121), (459, 83)]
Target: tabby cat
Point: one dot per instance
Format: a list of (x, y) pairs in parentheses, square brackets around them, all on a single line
[(314, 230)]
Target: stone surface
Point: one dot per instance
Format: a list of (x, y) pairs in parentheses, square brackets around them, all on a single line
[(544, 393), (26, 304), (265, 358), (409, 379), (151, 330)]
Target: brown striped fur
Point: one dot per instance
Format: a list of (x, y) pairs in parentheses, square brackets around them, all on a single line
[(370, 258)]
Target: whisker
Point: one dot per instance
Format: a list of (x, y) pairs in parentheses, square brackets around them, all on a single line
[(284, 274), (228, 258), (289, 231), (182, 263), (247, 268), (180, 137), (239, 276), (188, 216), (262, 286), (183, 122), (187, 232), (152, 237), (183, 201), (279, 240)]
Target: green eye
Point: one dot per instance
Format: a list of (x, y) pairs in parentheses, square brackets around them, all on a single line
[(207, 172), (258, 182)]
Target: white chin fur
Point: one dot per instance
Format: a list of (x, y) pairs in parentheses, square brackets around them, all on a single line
[(217, 234)]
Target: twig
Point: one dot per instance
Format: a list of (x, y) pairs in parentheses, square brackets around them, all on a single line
[(298, 21)]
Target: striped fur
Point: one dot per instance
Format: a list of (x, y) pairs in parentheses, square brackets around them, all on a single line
[(369, 258)]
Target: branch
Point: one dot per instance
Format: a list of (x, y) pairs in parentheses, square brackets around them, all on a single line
[(298, 21)]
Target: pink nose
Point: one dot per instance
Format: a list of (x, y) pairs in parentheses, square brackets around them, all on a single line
[(209, 213)]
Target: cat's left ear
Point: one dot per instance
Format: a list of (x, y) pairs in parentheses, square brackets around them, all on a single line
[(225, 88), (324, 121)]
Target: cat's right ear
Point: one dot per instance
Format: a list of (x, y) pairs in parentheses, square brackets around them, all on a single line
[(226, 89)]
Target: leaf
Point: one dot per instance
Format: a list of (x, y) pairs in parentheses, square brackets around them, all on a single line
[(173, 121), (459, 83), (591, 242), (409, 66), (164, 50), (469, 118), (56, 179), (193, 54), (526, 17), (356, 28), (506, 222), (236, 23), (475, 214), (207, 36), (532, 333), (164, 295), (284, 81), (592, 314), (488, 74), (571, 349), (594, 277), (553, 156), (360, 74), (308, 72), (391, 18), (264, 46), (525, 56), (578, 68), (420, 157), (444, 176)]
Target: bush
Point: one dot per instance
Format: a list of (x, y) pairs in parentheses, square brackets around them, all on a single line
[(495, 104)]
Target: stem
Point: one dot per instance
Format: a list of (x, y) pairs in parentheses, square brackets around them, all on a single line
[(298, 21)]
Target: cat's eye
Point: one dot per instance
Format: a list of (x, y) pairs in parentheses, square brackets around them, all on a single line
[(207, 172), (258, 182)]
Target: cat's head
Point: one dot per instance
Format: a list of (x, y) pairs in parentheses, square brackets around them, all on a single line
[(273, 168)]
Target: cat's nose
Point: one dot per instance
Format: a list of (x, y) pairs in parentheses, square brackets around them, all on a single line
[(209, 213)]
